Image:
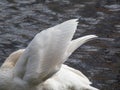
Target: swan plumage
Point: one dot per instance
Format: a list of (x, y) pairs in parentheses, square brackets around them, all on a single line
[(40, 66)]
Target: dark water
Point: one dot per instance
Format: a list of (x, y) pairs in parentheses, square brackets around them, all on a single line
[(99, 60)]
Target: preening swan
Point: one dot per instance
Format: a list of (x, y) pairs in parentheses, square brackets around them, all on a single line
[(40, 66)]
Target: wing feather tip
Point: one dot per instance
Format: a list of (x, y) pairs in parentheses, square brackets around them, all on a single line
[(74, 21), (93, 36)]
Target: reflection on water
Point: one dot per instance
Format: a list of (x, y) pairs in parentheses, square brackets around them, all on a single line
[(20, 20)]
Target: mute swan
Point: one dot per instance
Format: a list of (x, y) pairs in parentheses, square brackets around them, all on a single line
[(40, 66)]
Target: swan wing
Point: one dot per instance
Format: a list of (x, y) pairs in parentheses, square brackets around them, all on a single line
[(43, 56), (74, 44)]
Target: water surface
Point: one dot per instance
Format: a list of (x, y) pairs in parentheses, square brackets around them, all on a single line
[(99, 60)]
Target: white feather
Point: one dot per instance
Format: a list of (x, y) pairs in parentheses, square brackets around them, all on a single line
[(67, 78), (45, 53), (40, 65), (74, 44)]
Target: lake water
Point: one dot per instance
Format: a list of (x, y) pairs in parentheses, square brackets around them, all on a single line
[(99, 60)]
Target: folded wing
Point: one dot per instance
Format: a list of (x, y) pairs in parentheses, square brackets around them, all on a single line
[(44, 55), (74, 44)]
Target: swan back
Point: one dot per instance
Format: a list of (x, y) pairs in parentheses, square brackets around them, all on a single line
[(67, 78)]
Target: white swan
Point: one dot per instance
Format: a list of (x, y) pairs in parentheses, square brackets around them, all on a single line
[(40, 66)]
